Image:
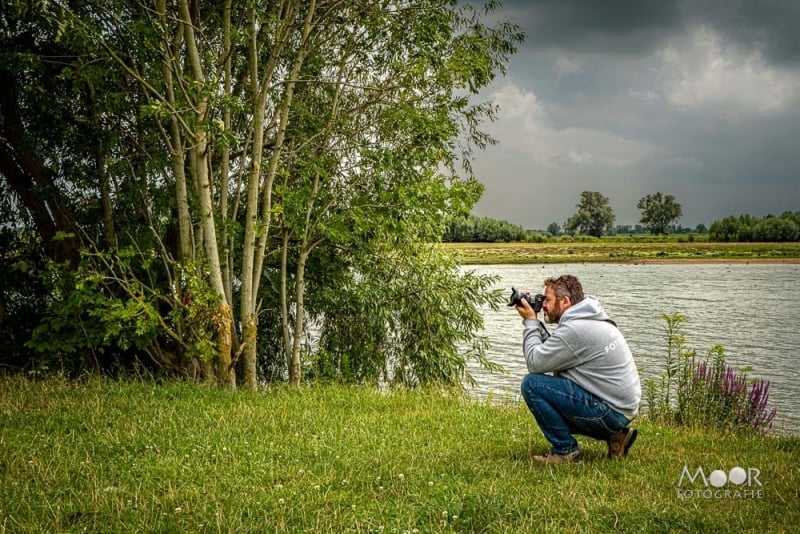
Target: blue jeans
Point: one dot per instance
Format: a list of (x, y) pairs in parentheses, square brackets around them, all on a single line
[(563, 408)]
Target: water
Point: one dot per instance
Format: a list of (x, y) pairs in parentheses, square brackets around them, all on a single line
[(750, 309)]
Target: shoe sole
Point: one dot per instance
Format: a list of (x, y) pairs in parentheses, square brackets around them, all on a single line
[(562, 459)]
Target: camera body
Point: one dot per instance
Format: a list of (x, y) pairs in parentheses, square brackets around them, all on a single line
[(535, 301)]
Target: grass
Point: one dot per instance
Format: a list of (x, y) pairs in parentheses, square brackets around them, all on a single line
[(620, 251), (139, 457)]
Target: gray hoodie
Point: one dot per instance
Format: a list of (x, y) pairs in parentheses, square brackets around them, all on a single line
[(587, 348)]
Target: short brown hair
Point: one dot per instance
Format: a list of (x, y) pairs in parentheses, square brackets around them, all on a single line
[(566, 285)]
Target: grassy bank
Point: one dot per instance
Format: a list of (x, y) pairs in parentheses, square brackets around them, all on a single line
[(620, 251), (111, 457)]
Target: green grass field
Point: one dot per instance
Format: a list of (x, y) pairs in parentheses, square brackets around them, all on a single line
[(139, 457), (620, 251)]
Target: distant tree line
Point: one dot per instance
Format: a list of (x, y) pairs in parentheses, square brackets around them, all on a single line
[(474, 229), (659, 213), (594, 218), (471, 229), (746, 228), (742, 228)]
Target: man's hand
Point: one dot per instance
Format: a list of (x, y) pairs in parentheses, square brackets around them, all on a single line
[(524, 309)]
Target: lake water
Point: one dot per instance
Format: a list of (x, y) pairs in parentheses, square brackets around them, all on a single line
[(750, 309)]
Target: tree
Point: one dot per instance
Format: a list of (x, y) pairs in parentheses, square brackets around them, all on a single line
[(554, 229), (236, 148), (658, 212), (594, 215), (776, 229)]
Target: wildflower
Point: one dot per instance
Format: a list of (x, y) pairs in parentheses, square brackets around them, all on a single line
[(401, 476), (281, 502)]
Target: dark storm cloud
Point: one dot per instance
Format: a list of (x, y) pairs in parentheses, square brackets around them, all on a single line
[(700, 99), (770, 25), (626, 26), (637, 26)]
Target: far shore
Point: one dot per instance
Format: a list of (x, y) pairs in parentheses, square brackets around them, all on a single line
[(695, 260), (622, 252), (712, 260)]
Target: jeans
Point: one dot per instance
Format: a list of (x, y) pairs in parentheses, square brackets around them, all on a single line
[(563, 408)]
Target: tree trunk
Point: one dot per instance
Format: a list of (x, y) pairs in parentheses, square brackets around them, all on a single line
[(30, 179), (100, 169), (294, 363), (200, 156), (254, 253), (285, 326)]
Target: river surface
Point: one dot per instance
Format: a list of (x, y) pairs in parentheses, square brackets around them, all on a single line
[(752, 310)]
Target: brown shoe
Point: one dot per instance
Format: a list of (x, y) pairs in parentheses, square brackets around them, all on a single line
[(553, 458), (620, 444)]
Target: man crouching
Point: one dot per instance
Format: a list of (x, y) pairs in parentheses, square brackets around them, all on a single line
[(594, 388)]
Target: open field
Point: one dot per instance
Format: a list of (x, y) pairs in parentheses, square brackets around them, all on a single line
[(141, 457), (622, 252)]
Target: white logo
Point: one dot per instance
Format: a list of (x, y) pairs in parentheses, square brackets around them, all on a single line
[(738, 483)]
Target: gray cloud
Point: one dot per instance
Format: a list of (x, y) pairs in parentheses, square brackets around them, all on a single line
[(685, 98), (622, 27)]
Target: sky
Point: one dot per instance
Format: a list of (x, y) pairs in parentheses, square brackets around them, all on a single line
[(699, 99)]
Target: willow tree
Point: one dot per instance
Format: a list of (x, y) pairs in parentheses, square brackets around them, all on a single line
[(377, 126)]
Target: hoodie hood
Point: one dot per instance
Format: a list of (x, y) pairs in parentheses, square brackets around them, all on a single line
[(588, 308)]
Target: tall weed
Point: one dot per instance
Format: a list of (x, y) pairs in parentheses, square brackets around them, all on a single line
[(693, 391)]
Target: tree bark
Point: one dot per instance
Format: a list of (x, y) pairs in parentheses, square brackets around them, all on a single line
[(255, 248), (200, 154)]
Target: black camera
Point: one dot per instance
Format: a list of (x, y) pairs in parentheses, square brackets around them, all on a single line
[(535, 301)]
